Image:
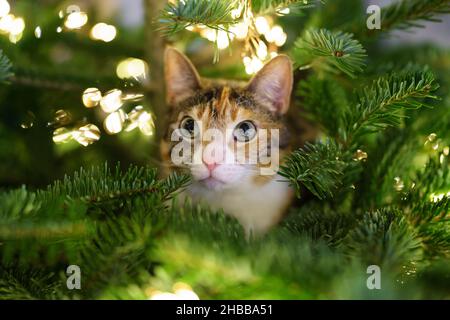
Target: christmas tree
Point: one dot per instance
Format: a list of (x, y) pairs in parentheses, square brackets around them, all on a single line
[(82, 110)]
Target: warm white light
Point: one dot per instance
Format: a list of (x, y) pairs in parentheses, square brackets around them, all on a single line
[(236, 13), (146, 124), (438, 197), (186, 294), (256, 64), (222, 39), (209, 34), (284, 11), (38, 32), (111, 101), (262, 25), (91, 97), (276, 35), (6, 23), (157, 295), (59, 30), (76, 20), (252, 65), (261, 51), (17, 26), (132, 68), (62, 135), (182, 291), (87, 134), (240, 30), (104, 32), (114, 122), (4, 8)]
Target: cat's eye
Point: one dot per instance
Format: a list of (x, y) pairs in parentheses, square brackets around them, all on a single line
[(188, 127), (244, 131)]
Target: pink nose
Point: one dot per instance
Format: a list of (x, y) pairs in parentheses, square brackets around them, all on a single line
[(211, 166)]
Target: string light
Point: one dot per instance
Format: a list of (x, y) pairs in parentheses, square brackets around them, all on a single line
[(432, 141), (38, 32), (132, 68), (104, 32), (113, 123), (360, 155), (146, 124), (240, 30), (91, 97), (182, 291), (111, 101), (87, 134), (13, 27), (262, 25), (284, 11), (398, 184), (223, 40), (438, 197), (62, 135), (276, 35), (139, 118), (76, 20), (4, 8)]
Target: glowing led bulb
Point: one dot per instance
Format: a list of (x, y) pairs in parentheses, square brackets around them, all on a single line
[(132, 68), (4, 8), (146, 124), (62, 135), (104, 32), (360, 155), (17, 26), (222, 39), (114, 122), (276, 35), (76, 20), (6, 23), (256, 64), (261, 51), (284, 11), (398, 184), (262, 25), (87, 134), (240, 30), (91, 97), (38, 32), (111, 101)]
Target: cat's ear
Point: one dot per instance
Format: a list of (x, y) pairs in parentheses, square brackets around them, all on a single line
[(182, 80), (272, 85)]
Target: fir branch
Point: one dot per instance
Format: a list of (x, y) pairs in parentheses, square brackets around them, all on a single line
[(28, 284), (325, 102), (382, 104), (383, 237), (214, 14), (408, 13), (328, 50), (5, 68), (318, 167), (101, 183), (271, 6)]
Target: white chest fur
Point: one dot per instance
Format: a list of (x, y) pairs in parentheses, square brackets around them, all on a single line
[(256, 207)]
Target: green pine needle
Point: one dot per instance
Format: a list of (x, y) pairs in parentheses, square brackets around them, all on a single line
[(318, 167), (329, 51), (181, 14)]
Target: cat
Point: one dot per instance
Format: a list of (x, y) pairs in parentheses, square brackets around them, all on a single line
[(238, 111)]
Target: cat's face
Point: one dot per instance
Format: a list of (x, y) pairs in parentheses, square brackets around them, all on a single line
[(226, 134)]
